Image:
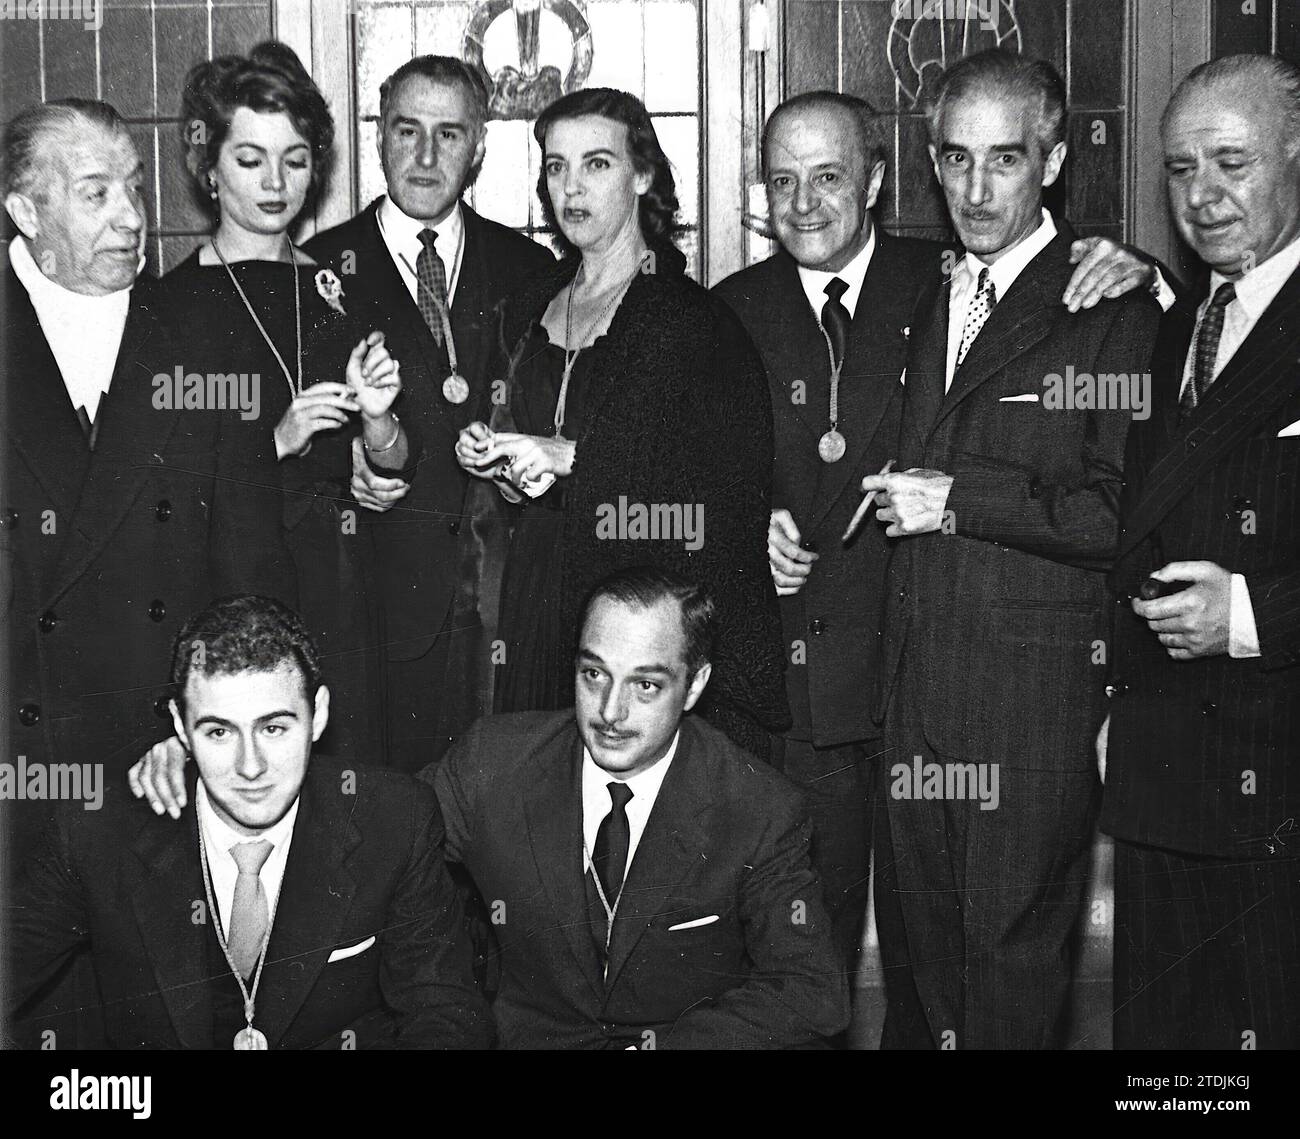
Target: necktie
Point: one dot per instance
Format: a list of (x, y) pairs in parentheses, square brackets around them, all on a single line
[(248, 916), (431, 293), (980, 307), (835, 318), (1208, 333), (609, 859)]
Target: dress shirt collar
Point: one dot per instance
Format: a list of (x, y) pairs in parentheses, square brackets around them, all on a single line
[(401, 233), (219, 836), (1256, 290), (1008, 267), (814, 281), (44, 291), (644, 785)]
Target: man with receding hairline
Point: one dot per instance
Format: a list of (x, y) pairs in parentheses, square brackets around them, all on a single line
[(1202, 779), (439, 269), (824, 158)]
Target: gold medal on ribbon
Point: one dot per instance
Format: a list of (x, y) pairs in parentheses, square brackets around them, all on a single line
[(831, 447), (250, 1039), (455, 388)]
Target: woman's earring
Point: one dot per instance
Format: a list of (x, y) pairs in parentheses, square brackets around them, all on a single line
[(212, 187)]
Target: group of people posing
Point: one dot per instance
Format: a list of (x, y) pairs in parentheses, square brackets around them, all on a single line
[(659, 764)]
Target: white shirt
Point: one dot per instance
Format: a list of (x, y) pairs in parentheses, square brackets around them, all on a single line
[(814, 281), (84, 332), (219, 837), (401, 234), (1003, 273), (1255, 291), (596, 803)]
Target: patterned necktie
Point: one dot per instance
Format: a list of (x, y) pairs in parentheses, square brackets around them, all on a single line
[(431, 292), (248, 915), (609, 859), (835, 318), (980, 307), (1208, 334)]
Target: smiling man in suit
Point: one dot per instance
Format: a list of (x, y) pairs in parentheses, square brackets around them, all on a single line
[(300, 903), (829, 313), (1203, 780), (649, 883), (436, 270), (1004, 511)]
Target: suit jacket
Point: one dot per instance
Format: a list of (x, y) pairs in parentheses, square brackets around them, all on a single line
[(1001, 617), (1202, 753), (106, 553), (362, 865), (726, 837), (419, 542), (832, 625)]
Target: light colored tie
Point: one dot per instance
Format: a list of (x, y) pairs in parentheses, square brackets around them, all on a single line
[(248, 914), (980, 307)]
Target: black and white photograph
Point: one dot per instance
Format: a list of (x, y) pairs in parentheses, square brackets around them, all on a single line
[(651, 525)]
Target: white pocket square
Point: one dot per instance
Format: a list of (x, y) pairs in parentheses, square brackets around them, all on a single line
[(693, 924), (351, 950), (1028, 397), (1290, 431)]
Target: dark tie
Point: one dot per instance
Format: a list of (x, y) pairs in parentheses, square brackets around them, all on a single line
[(609, 859), (431, 293), (835, 318), (89, 427), (1208, 334)]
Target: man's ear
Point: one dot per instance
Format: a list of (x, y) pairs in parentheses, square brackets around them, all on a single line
[(934, 161), (874, 181), (320, 716), (23, 212), (178, 723), (480, 148), (1055, 160), (698, 683)]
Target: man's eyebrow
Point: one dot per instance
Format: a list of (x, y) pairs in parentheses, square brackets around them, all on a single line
[(281, 714), (589, 655)]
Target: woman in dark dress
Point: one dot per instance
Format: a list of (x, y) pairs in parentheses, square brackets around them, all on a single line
[(258, 139), (628, 386)]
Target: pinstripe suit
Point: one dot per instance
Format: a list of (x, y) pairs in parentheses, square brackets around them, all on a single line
[(989, 658), (1203, 780)]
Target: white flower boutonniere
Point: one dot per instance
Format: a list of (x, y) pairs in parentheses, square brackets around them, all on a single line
[(331, 290)]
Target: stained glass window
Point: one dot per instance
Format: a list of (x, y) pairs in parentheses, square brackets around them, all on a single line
[(650, 48)]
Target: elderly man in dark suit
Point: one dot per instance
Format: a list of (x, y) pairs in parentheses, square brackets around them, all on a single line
[(1203, 780), (649, 882), (829, 313), (119, 512), (438, 270), (1004, 511), (300, 903)]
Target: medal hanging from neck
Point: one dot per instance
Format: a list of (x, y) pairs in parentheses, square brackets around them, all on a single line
[(455, 388), (248, 1038), (295, 390), (831, 446), (571, 354), (610, 910)]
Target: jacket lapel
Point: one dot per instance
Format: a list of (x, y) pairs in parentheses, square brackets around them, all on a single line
[(1018, 321), (553, 810), (37, 414), (125, 453), (803, 342), (672, 846), (874, 359), (169, 854), (926, 362), (315, 897), (1261, 373)]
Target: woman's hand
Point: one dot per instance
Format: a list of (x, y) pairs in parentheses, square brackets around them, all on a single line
[(321, 407), (472, 446), (373, 377), (529, 457)]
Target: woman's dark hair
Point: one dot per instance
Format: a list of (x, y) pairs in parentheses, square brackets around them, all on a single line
[(658, 207), (244, 633), (269, 78)]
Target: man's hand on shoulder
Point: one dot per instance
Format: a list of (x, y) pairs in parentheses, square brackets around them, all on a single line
[(1104, 269), (159, 776)]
